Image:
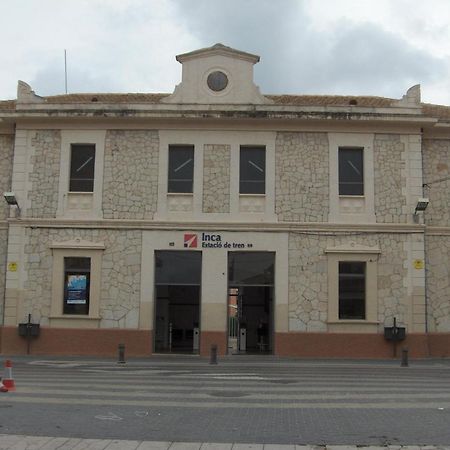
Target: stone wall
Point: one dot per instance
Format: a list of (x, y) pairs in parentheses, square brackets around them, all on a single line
[(302, 177), (389, 177), (44, 175), (308, 283), (130, 179), (120, 274), (308, 278), (216, 178), (436, 166), (6, 165), (438, 283)]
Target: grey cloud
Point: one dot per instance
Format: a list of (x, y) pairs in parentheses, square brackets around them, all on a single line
[(367, 59), (50, 80), (348, 59)]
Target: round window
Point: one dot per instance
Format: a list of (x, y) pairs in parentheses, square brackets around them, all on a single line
[(217, 81)]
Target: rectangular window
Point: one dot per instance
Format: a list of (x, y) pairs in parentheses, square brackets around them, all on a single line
[(351, 171), (82, 165), (252, 170), (352, 290), (181, 169), (77, 277)]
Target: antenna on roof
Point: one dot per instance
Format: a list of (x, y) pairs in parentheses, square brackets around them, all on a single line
[(65, 69)]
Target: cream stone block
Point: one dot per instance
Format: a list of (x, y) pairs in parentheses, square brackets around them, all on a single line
[(79, 203), (180, 203), (252, 203), (352, 204), (145, 316), (281, 320), (213, 316)]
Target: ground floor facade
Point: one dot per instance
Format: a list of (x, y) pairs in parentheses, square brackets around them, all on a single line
[(282, 290)]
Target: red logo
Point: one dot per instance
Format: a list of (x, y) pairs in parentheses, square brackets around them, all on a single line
[(190, 240)]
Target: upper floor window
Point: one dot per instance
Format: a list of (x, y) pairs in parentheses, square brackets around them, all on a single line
[(77, 274), (352, 290), (351, 171), (181, 169), (82, 165), (252, 170)]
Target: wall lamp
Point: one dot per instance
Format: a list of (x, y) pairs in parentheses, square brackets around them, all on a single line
[(422, 204), (10, 198)]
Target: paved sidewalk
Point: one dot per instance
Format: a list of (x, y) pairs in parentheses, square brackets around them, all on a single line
[(17, 442)]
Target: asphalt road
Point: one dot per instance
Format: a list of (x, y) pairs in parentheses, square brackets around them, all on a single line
[(242, 399)]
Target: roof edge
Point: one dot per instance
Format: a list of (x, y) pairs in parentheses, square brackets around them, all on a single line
[(218, 49)]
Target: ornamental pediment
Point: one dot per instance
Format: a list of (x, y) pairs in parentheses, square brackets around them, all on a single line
[(217, 75)]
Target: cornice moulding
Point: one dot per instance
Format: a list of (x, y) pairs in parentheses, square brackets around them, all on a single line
[(303, 227)]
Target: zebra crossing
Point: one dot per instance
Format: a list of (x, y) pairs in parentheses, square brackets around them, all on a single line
[(234, 386), (275, 401)]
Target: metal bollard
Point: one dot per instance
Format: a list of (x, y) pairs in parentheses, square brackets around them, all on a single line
[(404, 358), (213, 356), (121, 354)]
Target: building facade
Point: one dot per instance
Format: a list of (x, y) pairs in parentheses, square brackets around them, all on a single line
[(217, 215)]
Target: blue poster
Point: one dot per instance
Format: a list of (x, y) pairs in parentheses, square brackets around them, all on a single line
[(76, 289)]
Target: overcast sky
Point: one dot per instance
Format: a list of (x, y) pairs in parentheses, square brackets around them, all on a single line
[(354, 47)]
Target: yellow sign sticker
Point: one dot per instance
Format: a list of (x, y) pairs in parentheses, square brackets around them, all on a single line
[(418, 264), (12, 267)]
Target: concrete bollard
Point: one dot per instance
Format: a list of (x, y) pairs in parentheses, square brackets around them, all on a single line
[(213, 356), (121, 354), (404, 358)]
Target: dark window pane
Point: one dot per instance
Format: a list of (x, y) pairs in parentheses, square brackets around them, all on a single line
[(252, 170), (351, 171), (352, 290), (77, 275), (82, 165), (251, 268), (81, 264), (181, 168), (173, 267)]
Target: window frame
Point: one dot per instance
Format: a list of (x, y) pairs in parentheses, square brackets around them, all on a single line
[(257, 182), (352, 208), (353, 277), (348, 183), (172, 149), (95, 198), (353, 253), (81, 309), (76, 248), (90, 182)]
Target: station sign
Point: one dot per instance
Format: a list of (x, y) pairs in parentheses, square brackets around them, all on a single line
[(212, 240)]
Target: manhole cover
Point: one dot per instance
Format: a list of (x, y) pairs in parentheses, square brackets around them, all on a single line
[(228, 394)]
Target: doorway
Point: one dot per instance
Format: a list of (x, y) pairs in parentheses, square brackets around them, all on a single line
[(250, 302), (177, 306)]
